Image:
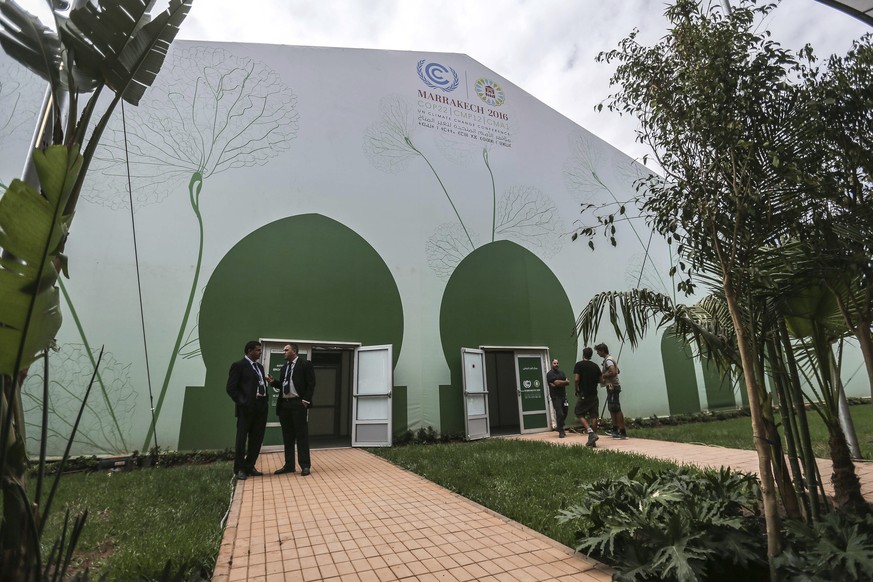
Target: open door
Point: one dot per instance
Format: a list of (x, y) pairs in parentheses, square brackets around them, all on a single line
[(371, 396), (475, 394), (532, 401)]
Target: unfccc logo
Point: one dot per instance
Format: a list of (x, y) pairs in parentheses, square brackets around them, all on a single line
[(490, 92), (436, 76)]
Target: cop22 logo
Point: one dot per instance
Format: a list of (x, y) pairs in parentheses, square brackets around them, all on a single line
[(490, 92), (436, 76)]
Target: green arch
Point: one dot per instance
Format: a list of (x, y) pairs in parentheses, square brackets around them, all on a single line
[(305, 276), (500, 294)]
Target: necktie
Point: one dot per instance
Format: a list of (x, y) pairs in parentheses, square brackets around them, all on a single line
[(288, 380)]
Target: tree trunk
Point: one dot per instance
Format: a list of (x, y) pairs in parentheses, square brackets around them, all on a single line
[(847, 487), (810, 468), (795, 481), (765, 472)]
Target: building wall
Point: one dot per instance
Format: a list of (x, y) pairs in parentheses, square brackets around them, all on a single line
[(409, 198)]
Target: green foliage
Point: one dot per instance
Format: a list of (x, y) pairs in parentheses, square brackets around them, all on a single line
[(838, 547), (671, 524), (426, 435), (101, 43), (159, 458), (32, 230)]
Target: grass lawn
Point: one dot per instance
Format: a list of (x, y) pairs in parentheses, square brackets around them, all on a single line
[(522, 480), (737, 432), (140, 519)]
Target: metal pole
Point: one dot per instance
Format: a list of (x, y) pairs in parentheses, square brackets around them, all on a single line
[(43, 131)]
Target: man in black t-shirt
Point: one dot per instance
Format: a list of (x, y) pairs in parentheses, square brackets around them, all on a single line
[(558, 392), (587, 375)]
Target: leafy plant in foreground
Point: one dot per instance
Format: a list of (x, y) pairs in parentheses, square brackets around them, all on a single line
[(673, 524), (838, 547)]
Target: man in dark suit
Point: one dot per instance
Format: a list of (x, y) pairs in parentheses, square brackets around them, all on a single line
[(296, 384), (247, 387)]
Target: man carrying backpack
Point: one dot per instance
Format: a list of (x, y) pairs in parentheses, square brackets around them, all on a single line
[(609, 378)]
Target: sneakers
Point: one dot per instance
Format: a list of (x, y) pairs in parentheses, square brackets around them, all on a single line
[(592, 439), (622, 436), (616, 434), (562, 434)]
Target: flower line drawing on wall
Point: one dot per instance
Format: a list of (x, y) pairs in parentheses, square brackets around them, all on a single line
[(18, 105), (523, 214), (582, 174), (212, 112), (528, 215), (70, 370), (389, 146)]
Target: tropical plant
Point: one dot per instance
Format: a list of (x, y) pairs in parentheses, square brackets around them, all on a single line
[(720, 106), (673, 524), (837, 237), (103, 44), (837, 547)]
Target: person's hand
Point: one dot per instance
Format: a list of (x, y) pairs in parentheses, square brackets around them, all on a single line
[(305, 404), (269, 378)]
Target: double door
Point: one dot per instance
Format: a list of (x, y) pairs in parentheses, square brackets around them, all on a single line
[(352, 399), (505, 390)]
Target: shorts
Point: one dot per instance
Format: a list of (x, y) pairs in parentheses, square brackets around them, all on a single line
[(613, 404), (587, 406)]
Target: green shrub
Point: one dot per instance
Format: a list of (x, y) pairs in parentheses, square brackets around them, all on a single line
[(424, 436), (839, 547), (673, 524)]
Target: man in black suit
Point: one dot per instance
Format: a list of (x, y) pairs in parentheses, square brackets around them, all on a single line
[(296, 385), (247, 387)]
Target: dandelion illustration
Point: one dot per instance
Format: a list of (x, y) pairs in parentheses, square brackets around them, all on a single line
[(447, 247), (526, 215), (582, 169), (20, 96), (583, 174), (523, 215), (70, 371), (388, 144), (212, 112)]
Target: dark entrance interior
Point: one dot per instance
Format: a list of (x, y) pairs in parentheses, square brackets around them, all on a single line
[(500, 378), (330, 415)]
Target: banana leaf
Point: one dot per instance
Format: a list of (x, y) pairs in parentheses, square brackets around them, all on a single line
[(32, 230)]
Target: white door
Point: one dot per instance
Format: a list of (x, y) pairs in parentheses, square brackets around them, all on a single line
[(372, 382), (475, 395), (533, 401)]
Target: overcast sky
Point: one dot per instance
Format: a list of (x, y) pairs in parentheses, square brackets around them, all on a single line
[(546, 47)]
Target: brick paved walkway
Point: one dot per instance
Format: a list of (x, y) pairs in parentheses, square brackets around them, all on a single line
[(359, 518)]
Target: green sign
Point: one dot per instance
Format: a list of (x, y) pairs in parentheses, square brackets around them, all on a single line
[(274, 369), (530, 375)]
